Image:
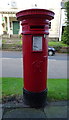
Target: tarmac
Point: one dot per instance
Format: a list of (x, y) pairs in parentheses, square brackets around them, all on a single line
[(57, 110)]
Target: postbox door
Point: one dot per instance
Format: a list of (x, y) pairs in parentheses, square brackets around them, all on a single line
[(39, 62), (35, 62)]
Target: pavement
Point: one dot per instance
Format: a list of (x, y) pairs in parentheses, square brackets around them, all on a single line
[(53, 110)]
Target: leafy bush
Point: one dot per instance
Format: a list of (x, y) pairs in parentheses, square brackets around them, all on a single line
[(54, 43), (57, 47), (20, 36), (3, 41), (65, 36)]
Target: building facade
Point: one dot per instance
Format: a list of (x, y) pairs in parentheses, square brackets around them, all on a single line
[(10, 26), (8, 23)]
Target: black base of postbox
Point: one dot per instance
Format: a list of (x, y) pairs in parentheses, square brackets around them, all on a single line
[(35, 99)]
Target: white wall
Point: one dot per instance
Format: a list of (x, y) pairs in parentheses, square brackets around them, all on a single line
[(63, 17), (55, 24)]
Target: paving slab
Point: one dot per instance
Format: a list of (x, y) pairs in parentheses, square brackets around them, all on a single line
[(25, 113), (20, 110), (56, 111), (0, 111)]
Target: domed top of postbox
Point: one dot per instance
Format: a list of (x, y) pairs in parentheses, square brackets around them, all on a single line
[(35, 13)]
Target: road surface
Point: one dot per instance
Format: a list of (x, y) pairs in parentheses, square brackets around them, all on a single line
[(12, 65)]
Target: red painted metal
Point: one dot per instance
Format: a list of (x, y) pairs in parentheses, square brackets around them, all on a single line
[(35, 22)]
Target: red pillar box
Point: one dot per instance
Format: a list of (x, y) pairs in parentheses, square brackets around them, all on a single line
[(35, 28)]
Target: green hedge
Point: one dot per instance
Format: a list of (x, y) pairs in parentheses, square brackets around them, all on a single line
[(57, 45)]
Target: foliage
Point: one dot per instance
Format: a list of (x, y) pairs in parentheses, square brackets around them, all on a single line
[(57, 45), (65, 36), (3, 41), (20, 36)]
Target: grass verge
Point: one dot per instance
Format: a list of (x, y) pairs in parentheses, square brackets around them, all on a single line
[(57, 88)]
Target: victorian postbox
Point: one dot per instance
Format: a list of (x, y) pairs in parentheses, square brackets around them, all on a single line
[(35, 29)]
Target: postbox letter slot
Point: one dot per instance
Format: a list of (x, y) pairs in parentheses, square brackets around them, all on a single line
[(37, 27)]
